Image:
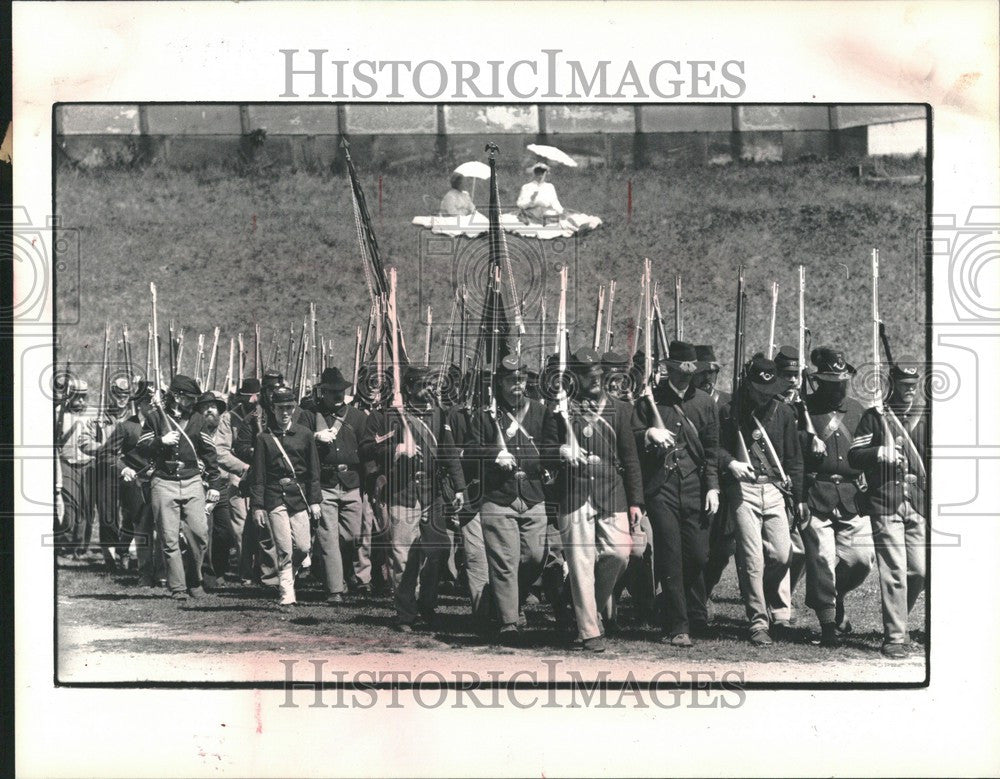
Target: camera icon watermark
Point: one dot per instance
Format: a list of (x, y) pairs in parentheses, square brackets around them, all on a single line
[(970, 252), (41, 254)]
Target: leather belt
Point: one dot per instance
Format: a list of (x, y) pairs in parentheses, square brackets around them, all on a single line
[(764, 480), (832, 478)]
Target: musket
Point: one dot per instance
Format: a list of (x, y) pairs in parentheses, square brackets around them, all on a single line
[(647, 371), (464, 328), (879, 399), (640, 314), (678, 309), (915, 457), (774, 316), (427, 337), (397, 378), (200, 359), (562, 346), (258, 358), (210, 374), (149, 351), (228, 382), (272, 350), (599, 318), (448, 347), (171, 348), (661, 332), (180, 350), (102, 403), (129, 368), (739, 355), (240, 361), (804, 415), (541, 338), (609, 331), (291, 346), (357, 362), (313, 340)]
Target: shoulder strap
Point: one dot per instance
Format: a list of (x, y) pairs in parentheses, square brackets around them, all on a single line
[(772, 454), (691, 435), (180, 429)]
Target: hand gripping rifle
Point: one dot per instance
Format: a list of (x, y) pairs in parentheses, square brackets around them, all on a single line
[(647, 335)]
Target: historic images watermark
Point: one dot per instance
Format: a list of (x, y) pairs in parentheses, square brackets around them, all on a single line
[(523, 688)]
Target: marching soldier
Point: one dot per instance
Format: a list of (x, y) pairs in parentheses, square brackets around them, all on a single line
[(183, 455), (721, 543), (115, 532), (754, 489), (513, 505), (681, 478), (235, 469), (135, 472), (339, 430), (835, 564), (417, 455), (77, 446), (460, 418), (787, 361), (285, 489), (600, 493), (212, 405), (890, 446)]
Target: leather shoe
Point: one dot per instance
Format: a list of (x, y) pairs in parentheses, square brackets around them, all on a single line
[(761, 638), (830, 635), (404, 627), (334, 598), (595, 644), (894, 651), (509, 636)]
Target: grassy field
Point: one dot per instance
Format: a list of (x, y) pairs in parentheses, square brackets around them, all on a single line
[(231, 251), (109, 629)]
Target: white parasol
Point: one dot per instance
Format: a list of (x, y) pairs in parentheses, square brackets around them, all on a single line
[(552, 154), (474, 169)]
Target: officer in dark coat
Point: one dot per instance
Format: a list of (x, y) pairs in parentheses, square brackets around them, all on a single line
[(890, 446), (339, 430), (599, 485), (681, 480), (836, 560)]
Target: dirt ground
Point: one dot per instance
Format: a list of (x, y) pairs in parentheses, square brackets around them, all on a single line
[(111, 630)]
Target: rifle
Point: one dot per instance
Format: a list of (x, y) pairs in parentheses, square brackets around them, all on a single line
[(129, 371), (397, 379), (647, 371), (357, 362), (258, 357), (562, 346), (228, 382), (915, 457), (598, 319), (805, 419), (291, 346), (149, 351), (678, 310), (210, 374), (774, 316), (180, 350), (240, 360), (427, 337), (314, 362), (102, 403), (739, 366), (171, 348), (200, 359), (663, 347), (878, 397), (541, 338), (609, 332)]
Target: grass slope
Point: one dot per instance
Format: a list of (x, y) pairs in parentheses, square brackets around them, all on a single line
[(230, 251)]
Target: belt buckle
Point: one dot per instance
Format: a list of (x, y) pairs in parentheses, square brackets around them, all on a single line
[(763, 480), (836, 478), (284, 481), (520, 475), (593, 459), (342, 467)]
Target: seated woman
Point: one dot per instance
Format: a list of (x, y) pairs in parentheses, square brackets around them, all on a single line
[(538, 201), (538, 204), (456, 201)]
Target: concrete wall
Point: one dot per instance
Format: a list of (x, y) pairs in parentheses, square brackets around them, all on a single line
[(306, 136)]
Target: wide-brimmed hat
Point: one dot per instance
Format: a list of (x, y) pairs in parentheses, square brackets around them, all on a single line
[(249, 387), (213, 397), (682, 357), (333, 379), (705, 357), (830, 364)]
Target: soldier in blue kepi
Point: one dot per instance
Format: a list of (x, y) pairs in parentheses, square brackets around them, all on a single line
[(890, 446)]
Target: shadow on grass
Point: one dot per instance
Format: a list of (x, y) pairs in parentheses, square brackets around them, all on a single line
[(111, 596)]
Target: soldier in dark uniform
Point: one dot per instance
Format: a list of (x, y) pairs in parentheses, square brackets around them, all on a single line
[(417, 455), (681, 479), (340, 428), (721, 543), (600, 493), (507, 443), (835, 564), (183, 457), (115, 532), (890, 446), (756, 488)]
